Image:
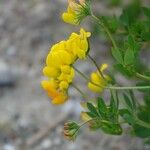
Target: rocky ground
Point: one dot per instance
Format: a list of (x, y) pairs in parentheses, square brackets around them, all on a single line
[(27, 29)]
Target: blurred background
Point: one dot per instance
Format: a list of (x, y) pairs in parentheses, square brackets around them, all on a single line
[(28, 121)]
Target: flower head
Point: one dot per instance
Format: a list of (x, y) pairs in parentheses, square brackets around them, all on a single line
[(98, 82), (76, 12), (70, 130), (59, 70)]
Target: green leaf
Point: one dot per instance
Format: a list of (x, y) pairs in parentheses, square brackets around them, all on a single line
[(117, 55), (147, 99), (128, 102), (129, 118), (102, 108), (124, 111), (115, 2), (132, 99), (111, 128), (92, 109), (136, 30), (124, 18), (114, 103), (145, 36), (92, 115), (132, 45), (143, 113), (146, 11), (141, 131), (129, 57), (111, 23), (128, 71), (130, 13)]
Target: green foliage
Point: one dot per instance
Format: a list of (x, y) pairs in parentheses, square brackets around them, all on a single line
[(115, 2), (130, 101), (146, 11), (104, 117), (130, 14), (117, 55), (111, 23), (129, 35)]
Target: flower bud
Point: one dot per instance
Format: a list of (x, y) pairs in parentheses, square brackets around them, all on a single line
[(71, 130), (76, 11)]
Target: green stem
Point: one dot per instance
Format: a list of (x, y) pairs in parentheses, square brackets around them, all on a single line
[(128, 88), (94, 62), (83, 95), (82, 74), (143, 77), (142, 123), (105, 29)]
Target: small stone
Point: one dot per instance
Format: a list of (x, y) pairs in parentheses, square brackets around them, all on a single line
[(11, 51), (57, 141), (7, 76), (8, 147), (46, 144)]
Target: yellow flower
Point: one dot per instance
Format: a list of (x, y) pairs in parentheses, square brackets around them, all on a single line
[(98, 83), (79, 43), (58, 68), (58, 97), (76, 12)]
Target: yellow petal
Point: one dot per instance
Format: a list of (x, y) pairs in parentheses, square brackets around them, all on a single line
[(104, 67), (59, 46), (84, 34), (95, 78), (66, 69), (70, 18), (85, 117), (60, 99), (63, 85), (51, 72), (94, 88)]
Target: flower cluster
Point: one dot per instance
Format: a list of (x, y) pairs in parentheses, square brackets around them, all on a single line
[(59, 63), (76, 12), (99, 82)]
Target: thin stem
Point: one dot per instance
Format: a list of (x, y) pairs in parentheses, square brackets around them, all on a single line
[(94, 62), (82, 74), (142, 123), (128, 88), (83, 95), (105, 29), (143, 77)]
